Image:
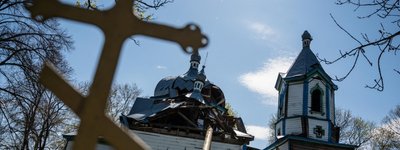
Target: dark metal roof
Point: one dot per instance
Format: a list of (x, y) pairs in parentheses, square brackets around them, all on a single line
[(164, 86), (143, 108), (170, 87), (305, 62), (202, 76)]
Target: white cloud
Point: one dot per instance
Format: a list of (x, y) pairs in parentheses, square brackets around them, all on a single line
[(161, 67), (263, 31), (258, 132), (262, 81)]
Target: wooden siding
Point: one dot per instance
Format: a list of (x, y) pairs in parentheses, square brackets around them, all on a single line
[(312, 123), (295, 100), (311, 85), (293, 126), (300, 145), (284, 146), (167, 142)]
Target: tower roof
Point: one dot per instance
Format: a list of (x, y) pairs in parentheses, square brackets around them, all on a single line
[(305, 61), (306, 35)]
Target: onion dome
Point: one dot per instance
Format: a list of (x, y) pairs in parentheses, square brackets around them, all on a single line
[(175, 86)]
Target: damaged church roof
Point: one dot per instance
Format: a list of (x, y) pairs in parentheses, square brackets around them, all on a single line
[(187, 102)]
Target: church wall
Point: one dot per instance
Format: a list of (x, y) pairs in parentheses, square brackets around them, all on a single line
[(168, 142), (311, 85), (295, 99), (293, 126), (312, 123), (301, 145), (284, 146)]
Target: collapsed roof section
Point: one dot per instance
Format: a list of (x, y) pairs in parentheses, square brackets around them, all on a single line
[(188, 103)]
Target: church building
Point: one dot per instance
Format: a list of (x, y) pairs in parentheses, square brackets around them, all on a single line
[(187, 112), (306, 106)]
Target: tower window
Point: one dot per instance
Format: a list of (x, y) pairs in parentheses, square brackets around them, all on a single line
[(195, 64), (316, 100), (279, 132)]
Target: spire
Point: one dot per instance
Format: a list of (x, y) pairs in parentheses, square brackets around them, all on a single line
[(306, 61), (202, 76), (191, 74), (306, 38)]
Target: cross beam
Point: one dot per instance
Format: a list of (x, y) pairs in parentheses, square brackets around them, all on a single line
[(117, 24)]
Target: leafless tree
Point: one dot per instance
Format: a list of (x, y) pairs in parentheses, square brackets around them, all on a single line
[(272, 126), (387, 136), (30, 115), (343, 119), (353, 130), (360, 132), (385, 139), (392, 120), (122, 97), (120, 101), (386, 42), (142, 9)]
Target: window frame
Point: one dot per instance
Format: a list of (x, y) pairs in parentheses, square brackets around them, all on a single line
[(321, 99)]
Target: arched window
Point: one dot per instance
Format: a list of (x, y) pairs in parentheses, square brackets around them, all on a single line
[(316, 100)]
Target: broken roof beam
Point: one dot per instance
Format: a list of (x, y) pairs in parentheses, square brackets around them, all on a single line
[(187, 119)]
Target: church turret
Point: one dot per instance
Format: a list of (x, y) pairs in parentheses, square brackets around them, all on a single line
[(198, 86), (306, 105), (195, 60), (306, 98)]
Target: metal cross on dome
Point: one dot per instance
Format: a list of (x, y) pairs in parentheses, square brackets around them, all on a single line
[(117, 23)]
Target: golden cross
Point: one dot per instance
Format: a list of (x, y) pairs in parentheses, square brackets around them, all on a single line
[(117, 23)]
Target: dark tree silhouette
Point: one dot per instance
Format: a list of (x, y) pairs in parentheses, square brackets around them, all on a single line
[(386, 42), (30, 114), (120, 100)]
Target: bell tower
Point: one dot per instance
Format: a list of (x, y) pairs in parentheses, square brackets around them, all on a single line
[(306, 105), (306, 98)]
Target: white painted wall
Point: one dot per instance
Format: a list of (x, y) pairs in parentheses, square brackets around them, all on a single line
[(284, 146), (168, 142), (293, 126), (295, 100), (312, 123)]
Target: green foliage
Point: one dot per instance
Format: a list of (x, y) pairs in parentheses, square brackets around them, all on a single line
[(230, 110)]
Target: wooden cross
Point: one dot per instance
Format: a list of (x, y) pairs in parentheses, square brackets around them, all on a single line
[(117, 23)]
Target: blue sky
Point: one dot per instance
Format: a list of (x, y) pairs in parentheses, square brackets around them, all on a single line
[(250, 43)]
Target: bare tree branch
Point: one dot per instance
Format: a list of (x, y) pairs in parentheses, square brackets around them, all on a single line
[(386, 42)]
